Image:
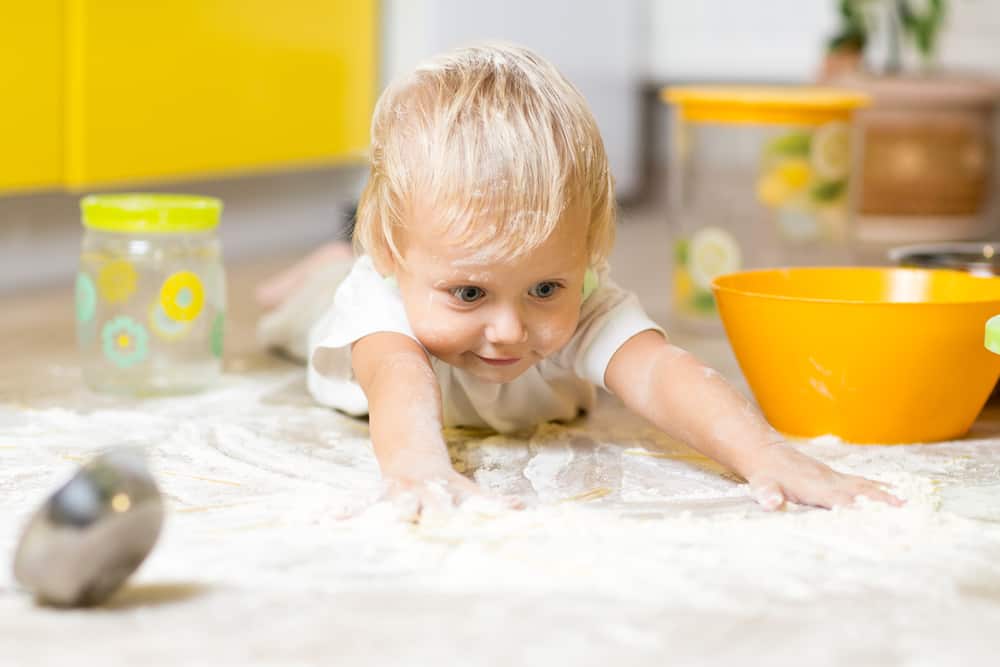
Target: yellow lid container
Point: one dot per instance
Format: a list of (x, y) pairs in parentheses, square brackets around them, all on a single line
[(764, 104), (760, 176)]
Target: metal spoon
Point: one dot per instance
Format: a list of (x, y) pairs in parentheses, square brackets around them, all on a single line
[(92, 533), (980, 259)]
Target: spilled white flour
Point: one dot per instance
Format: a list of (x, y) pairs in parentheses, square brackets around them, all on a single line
[(639, 531)]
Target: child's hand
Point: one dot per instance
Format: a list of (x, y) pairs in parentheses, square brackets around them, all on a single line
[(782, 473), (695, 404), (415, 497)]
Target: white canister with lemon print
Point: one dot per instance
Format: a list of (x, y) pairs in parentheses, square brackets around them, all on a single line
[(150, 293), (759, 177)]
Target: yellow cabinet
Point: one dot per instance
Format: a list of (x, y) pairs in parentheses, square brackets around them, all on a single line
[(104, 92), (31, 62), (186, 88)]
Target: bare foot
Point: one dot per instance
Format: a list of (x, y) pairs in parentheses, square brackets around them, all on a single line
[(276, 289)]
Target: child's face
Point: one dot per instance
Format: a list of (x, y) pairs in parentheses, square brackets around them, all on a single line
[(493, 317)]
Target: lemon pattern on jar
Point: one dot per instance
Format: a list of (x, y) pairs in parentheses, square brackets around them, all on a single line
[(784, 182), (686, 297), (712, 252), (831, 151), (804, 174), (689, 298)]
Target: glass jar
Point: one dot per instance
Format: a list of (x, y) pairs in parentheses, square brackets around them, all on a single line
[(150, 293), (758, 178)]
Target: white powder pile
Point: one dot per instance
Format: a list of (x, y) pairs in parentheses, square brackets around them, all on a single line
[(619, 514)]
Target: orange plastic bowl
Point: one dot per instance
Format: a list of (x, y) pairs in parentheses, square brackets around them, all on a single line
[(868, 355)]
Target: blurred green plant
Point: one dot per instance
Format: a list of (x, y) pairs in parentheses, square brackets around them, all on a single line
[(853, 34), (917, 22), (922, 27)]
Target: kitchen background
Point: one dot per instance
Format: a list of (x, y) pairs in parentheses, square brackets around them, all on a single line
[(266, 104)]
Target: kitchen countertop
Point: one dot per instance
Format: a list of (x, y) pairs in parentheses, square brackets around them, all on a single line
[(634, 549)]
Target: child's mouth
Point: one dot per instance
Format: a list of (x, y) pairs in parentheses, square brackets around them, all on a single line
[(507, 361)]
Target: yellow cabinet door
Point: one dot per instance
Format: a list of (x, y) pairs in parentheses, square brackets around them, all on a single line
[(189, 88), (31, 66)]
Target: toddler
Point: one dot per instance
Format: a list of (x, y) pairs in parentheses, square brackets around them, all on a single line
[(481, 295)]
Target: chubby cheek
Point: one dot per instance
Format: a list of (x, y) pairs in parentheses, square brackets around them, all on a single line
[(552, 333), (431, 323), (443, 334)]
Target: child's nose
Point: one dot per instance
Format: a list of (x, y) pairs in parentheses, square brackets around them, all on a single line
[(506, 328)]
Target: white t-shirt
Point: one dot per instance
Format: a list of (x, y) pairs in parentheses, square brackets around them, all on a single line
[(557, 388)]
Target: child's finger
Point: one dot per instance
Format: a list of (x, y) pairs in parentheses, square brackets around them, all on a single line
[(768, 495), (513, 502), (882, 496), (492, 504), (864, 481), (406, 506), (875, 490), (395, 506), (840, 499), (460, 494), (437, 498)]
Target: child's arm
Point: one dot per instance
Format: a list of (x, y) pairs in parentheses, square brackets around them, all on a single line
[(695, 404), (404, 411)]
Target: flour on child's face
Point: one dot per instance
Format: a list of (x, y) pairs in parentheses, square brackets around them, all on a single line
[(494, 316)]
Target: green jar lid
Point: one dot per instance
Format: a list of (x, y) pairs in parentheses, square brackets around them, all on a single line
[(152, 213), (993, 334)]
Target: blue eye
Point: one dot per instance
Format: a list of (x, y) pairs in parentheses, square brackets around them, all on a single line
[(468, 293), (544, 290)]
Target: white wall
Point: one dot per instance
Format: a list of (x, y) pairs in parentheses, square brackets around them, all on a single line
[(783, 40), (404, 31), (727, 40), (597, 44), (971, 39)]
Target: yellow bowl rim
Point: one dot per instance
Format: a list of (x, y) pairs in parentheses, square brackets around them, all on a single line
[(717, 288)]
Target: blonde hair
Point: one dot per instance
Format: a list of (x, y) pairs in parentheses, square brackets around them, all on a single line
[(497, 143)]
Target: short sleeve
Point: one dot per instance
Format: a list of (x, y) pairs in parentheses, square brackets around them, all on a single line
[(609, 318), (365, 303)]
